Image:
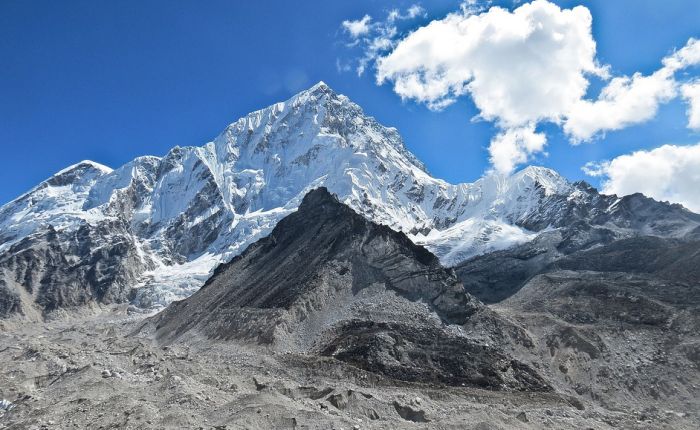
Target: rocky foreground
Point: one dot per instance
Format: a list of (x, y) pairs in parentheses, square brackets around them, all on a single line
[(90, 371)]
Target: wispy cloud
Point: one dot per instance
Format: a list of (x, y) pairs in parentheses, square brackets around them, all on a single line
[(412, 12), (375, 38), (357, 28)]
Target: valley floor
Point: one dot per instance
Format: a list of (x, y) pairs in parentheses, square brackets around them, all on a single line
[(89, 371)]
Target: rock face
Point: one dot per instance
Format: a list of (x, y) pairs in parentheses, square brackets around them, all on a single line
[(612, 319), (160, 225), (626, 340), (51, 270), (329, 282), (592, 232)]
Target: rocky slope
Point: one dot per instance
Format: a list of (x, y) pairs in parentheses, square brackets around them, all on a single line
[(627, 341), (613, 320), (370, 333), (87, 372), (161, 224), (601, 233), (331, 283)]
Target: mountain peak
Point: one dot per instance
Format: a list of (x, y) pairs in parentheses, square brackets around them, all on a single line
[(84, 172), (313, 121), (551, 181), (198, 206), (316, 94), (318, 196), (332, 283), (319, 86), (267, 275), (85, 165)]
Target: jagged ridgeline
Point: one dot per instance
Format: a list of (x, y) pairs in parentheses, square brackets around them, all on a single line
[(153, 230)]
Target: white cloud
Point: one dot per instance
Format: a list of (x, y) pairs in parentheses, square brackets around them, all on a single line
[(376, 38), (623, 102), (359, 27), (668, 173), (687, 56), (412, 12), (394, 15), (471, 7), (521, 66), (691, 94), (524, 67), (381, 42), (631, 100), (515, 146)]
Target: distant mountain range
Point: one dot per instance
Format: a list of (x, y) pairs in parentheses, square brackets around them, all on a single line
[(153, 230)]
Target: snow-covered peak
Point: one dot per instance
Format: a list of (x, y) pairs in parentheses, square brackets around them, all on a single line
[(85, 165), (305, 122), (197, 206), (549, 180), (320, 85), (320, 89), (57, 201)]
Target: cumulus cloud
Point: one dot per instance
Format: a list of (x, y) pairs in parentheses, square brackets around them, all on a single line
[(687, 56), (359, 27), (691, 94), (668, 173), (515, 146), (623, 102), (522, 67)]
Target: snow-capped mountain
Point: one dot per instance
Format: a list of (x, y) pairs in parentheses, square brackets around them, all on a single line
[(162, 224)]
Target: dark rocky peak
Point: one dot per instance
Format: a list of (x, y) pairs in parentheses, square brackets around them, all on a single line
[(325, 232), (328, 282), (324, 249), (321, 202), (329, 205)]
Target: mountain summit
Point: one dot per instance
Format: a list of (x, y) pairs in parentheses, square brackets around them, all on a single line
[(153, 230)]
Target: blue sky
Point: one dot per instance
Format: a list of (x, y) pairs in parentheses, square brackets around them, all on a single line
[(109, 81)]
